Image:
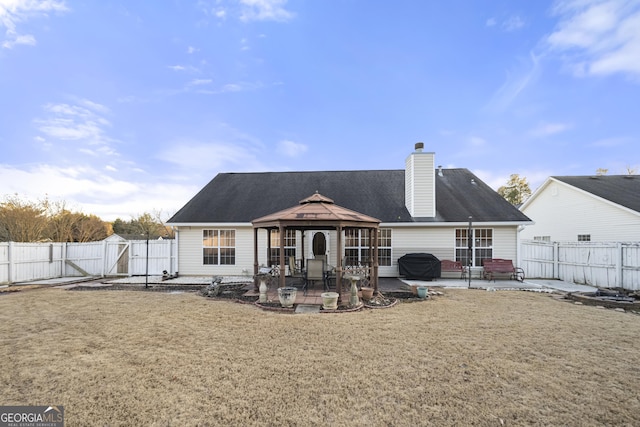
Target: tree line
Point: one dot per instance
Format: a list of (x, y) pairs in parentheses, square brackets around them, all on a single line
[(47, 221)]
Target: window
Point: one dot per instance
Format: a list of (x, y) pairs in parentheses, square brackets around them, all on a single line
[(542, 238), (289, 246), (356, 246), (384, 247), (584, 237), (481, 245), (218, 247)]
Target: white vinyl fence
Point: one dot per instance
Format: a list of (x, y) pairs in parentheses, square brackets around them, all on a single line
[(601, 264), (22, 262)]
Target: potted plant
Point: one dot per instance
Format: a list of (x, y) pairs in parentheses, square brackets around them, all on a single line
[(330, 300), (422, 291), (367, 293), (287, 296)]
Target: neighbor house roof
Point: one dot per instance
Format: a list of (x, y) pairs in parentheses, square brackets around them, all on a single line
[(623, 190), (243, 197)]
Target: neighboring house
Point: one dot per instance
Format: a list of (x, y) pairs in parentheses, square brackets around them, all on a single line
[(603, 208), (422, 208)]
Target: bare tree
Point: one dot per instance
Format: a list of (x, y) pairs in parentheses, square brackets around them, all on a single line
[(22, 221)]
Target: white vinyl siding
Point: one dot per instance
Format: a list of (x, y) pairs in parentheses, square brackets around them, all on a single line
[(190, 254), (439, 241), (563, 212), (420, 194)]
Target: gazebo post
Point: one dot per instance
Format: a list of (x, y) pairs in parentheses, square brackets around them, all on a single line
[(374, 275), (282, 278), (269, 247), (302, 248), (339, 263)]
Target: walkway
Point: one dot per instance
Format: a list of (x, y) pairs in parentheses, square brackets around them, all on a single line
[(385, 284)]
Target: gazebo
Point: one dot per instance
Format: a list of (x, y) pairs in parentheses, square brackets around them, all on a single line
[(318, 212)]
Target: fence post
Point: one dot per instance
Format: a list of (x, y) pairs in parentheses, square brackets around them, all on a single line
[(556, 261), (10, 264), (619, 270), (63, 258), (105, 258)]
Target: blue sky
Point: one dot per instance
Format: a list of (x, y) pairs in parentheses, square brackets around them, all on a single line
[(125, 107)]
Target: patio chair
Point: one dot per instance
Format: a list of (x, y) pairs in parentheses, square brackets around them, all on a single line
[(295, 268), (315, 272)]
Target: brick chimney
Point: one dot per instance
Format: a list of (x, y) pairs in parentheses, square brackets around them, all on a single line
[(420, 183)]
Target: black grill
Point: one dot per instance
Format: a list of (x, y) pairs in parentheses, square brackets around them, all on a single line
[(419, 266)]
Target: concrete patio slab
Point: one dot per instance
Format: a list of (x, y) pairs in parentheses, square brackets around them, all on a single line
[(308, 308)]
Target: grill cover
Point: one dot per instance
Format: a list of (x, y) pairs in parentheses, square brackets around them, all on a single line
[(419, 266)]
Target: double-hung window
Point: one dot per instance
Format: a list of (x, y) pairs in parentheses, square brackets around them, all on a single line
[(356, 247), (289, 246), (481, 245), (218, 247)]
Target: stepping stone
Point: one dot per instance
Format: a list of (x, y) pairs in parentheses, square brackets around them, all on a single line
[(308, 308)]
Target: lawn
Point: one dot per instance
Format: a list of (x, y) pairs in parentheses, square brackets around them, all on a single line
[(468, 357)]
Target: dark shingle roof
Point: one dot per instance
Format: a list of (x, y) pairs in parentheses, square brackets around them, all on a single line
[(623, 190), (243, 197)]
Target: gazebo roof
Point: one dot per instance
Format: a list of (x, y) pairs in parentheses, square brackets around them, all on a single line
[(316, 212)]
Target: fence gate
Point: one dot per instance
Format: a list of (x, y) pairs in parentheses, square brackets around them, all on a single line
[(117, 258)]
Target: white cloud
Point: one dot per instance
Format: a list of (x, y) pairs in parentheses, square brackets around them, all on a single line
[(192, 49), (548, 129), (204, 157), (513, 23), (82, 123), (16, 39), (14, 12), (611, 142), (476, 141), (265, 10), (186, 68), (516, 82), (236, 87), (93, 191), (598, 37), (200, 82), (291, 149)]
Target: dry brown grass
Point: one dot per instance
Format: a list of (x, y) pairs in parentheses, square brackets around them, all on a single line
[(465, 358)]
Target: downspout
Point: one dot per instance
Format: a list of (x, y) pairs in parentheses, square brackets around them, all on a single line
[(518, 243), (176, 234)]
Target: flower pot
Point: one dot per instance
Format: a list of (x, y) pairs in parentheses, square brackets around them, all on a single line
[(287, 296), (330, 300), (367, 293), (422, 291)]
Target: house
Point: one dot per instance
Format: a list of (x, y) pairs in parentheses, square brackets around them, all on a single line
[(421, 208), (602, 208)]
